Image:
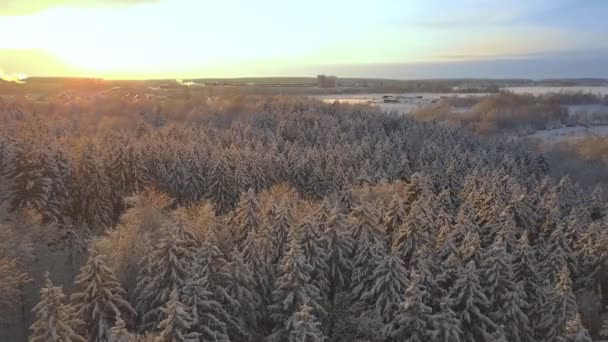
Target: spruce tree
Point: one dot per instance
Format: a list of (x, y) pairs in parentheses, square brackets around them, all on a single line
[(222, 187), (247, 216), (389, 287), (93, 191), (177, 323), (395, 216), (306, 328), (413, 317), (313, 246), (55, 321), (293, 289), (206, 313), (576, 332), (245, 303), (472, 306), (338, 242), (119, 332), (560, 308), (167, 271), (99, 300), (445, 323)]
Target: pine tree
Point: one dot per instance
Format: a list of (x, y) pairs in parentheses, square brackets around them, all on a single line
[(445, 323), (507, 297), (222, 186), (280, 223), (557, 254), (168, 270), (395, 216), (94, 206), (560, 309), (177, 323), (195, 179), (413, 317), (389, 287), (413, 235), (313, 246), (339, 245), (55, 321), (472, 306), (292, 290), (247, 216), (366, 227), (100, 299), (207, 314), (244, 302), (576, 332), (31, 187), (119, 332), (526, 274), (306, 328)]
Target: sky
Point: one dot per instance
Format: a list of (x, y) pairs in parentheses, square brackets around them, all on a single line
[(400, 39)]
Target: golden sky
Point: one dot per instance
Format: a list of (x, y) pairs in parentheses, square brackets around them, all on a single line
[(190, 38)]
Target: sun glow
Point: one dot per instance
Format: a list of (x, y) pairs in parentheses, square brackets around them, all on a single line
[(186, 38)]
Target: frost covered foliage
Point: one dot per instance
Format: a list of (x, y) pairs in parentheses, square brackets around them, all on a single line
[(300, 222)]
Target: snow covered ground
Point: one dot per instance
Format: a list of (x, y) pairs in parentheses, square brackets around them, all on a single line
[(558, 135), (587, 109), (548, 90), (409, 101)]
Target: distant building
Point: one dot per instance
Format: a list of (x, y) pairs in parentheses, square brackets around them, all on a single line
[(327, 81)]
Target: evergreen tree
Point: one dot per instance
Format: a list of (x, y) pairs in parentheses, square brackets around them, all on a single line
[(247, 216), (413, 235), (207, 314), (292, 290), (93, 191), (119, 332), (526, 274), (244, 302), (177, 323), (507, 297), (389, 287), (560, 309), (313, 246), (306, 328), (168, 270), (395, 216), (472, 306), (445, 323), (280, 222), (413, 319), (100, 299), (55, 321), (222, 186), (576, 332), (339, 245)]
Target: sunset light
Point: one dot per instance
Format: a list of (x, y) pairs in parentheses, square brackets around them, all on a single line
[(179, 38)]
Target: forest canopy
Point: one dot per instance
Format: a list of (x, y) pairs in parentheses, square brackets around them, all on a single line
[(284, 219)]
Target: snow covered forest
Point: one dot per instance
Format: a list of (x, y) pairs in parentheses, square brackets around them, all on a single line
[(300, 222)]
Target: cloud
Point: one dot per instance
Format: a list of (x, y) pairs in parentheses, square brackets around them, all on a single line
[(21, 7)]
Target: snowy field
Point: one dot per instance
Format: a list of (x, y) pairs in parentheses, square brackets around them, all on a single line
[(598, 90), (587, 109), (408, 104), (559, 135)]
